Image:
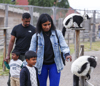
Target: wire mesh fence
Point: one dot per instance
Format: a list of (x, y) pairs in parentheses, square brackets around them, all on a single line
[(10, 15)]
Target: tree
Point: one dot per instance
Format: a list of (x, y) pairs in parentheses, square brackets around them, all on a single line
[(63, 4), (49, 3), (7, 1)]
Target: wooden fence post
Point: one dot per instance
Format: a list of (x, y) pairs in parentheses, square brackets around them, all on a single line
[(5, 39), (77, 43), (82, 80), (81, 50), (68, 37)]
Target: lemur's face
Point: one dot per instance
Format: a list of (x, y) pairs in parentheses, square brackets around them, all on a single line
[(86, 17), (93, 61)]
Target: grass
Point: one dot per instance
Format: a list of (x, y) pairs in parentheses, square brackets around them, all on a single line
[(95, 47), (3, 73)]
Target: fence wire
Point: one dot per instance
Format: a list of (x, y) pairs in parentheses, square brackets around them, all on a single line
[(10, 15)]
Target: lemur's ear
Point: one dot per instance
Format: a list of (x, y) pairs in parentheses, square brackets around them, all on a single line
[(94, 57), (86, 17)]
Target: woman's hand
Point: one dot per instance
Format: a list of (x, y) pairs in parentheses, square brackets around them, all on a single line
[(69, 57)]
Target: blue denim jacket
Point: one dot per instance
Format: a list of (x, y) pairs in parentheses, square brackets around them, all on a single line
[(40, 50)]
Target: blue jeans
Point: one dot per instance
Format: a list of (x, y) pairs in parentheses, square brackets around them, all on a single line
[(51, 71)]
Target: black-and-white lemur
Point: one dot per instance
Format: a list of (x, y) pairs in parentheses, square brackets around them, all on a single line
[(83, 66), (74, 20)]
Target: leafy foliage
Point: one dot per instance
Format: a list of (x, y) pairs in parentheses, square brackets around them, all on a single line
[(63, 4), (44, 3), (7, 1), (49, 3)]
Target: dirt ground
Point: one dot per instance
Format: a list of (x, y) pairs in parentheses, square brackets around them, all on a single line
[(67, 76)]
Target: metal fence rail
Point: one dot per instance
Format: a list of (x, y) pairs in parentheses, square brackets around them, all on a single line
[(10, 15)]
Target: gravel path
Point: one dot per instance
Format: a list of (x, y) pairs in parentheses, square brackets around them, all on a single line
[(66, 75)]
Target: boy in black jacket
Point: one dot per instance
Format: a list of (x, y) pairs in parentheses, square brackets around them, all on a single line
[(29, 74)]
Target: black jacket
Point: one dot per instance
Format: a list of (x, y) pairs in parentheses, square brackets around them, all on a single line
[(25, 77)]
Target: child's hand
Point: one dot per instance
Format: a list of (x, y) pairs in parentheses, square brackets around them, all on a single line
[(6, 60)]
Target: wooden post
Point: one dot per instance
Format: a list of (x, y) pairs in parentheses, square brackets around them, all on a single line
[(4, 54), (94, 29), (90, 32), (82, 81), (82, 78), (31, 9), (90, 39), (5, 39), (83, 36), (91, 35), (73, 37), (77, 33), (77, 43), (77, 40), (54, 14), (81, 50), (68, 37)]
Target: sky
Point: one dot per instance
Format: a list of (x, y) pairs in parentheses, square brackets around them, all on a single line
[(85, 4)]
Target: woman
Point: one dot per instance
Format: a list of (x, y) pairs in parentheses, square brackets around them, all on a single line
[(45, 43)]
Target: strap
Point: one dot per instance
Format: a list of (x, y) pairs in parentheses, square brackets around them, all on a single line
[(36, 40), (57, 37), (61, 52)]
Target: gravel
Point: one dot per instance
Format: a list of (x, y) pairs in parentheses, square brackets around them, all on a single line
[(67, 76)]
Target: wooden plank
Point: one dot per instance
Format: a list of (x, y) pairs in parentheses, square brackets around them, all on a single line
[(3, 28), (77, 28)]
